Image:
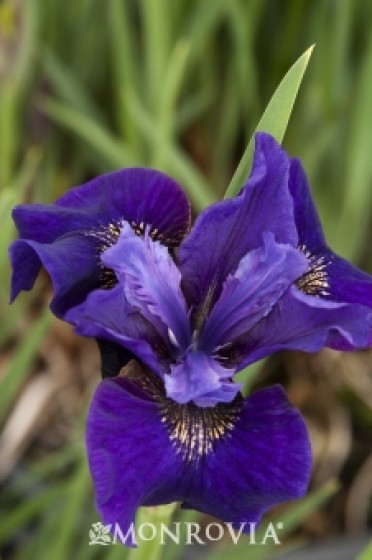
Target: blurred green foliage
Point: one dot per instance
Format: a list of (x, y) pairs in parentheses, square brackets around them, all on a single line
[(90, 86)]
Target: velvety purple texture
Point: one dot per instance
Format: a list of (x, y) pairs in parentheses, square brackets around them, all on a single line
[(151, 283), (253, 276), (151, 290), (226, 231), (241, 287), (65, 237), (265, 459), (347, 283)]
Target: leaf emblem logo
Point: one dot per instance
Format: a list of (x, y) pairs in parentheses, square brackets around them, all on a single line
[(100, 534)]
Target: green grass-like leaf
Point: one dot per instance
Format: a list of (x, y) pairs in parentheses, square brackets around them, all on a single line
[(366, 554), (275, 118), (18, 369)]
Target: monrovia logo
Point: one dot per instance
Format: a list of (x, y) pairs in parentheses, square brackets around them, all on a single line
[(100, 534), (191, 533)]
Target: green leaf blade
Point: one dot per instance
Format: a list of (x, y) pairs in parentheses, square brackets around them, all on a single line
[(275, 118), (366, 554)]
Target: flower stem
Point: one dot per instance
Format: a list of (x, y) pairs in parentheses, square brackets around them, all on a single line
[(149, 523)]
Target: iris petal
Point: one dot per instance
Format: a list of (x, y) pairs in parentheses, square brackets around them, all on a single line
[(249, 294), (265, 460), (347, 283), (201, 379), (310, 233), (138, 196), (72, 277), (107, 314), (129, 453), (136, 458), (226, 231), (46, 223), (151, 282), (307, 323)]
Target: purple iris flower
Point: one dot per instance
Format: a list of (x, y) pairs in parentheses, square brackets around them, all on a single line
[(253, 276)]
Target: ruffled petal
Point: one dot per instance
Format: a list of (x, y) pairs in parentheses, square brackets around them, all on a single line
[(71, 262), (307, 323), (136, 195), (140, 196), (130, 455), (107, 314), (225, 232), (94, 213), (143, 453), (265, 460), (151, 282), (249, 294)]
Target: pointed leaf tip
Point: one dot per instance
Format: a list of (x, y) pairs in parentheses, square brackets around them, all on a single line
[(275, 118)]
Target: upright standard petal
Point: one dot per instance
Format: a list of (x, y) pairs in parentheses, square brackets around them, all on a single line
[(226, 231), (310, 233), (249, 294), (233, 461), (151, 282)]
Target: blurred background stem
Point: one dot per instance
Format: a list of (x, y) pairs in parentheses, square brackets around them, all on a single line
[(8, 133)]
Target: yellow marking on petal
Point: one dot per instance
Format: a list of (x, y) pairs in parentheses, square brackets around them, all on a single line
[(106, 236), (195, 430), (314, 282)]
